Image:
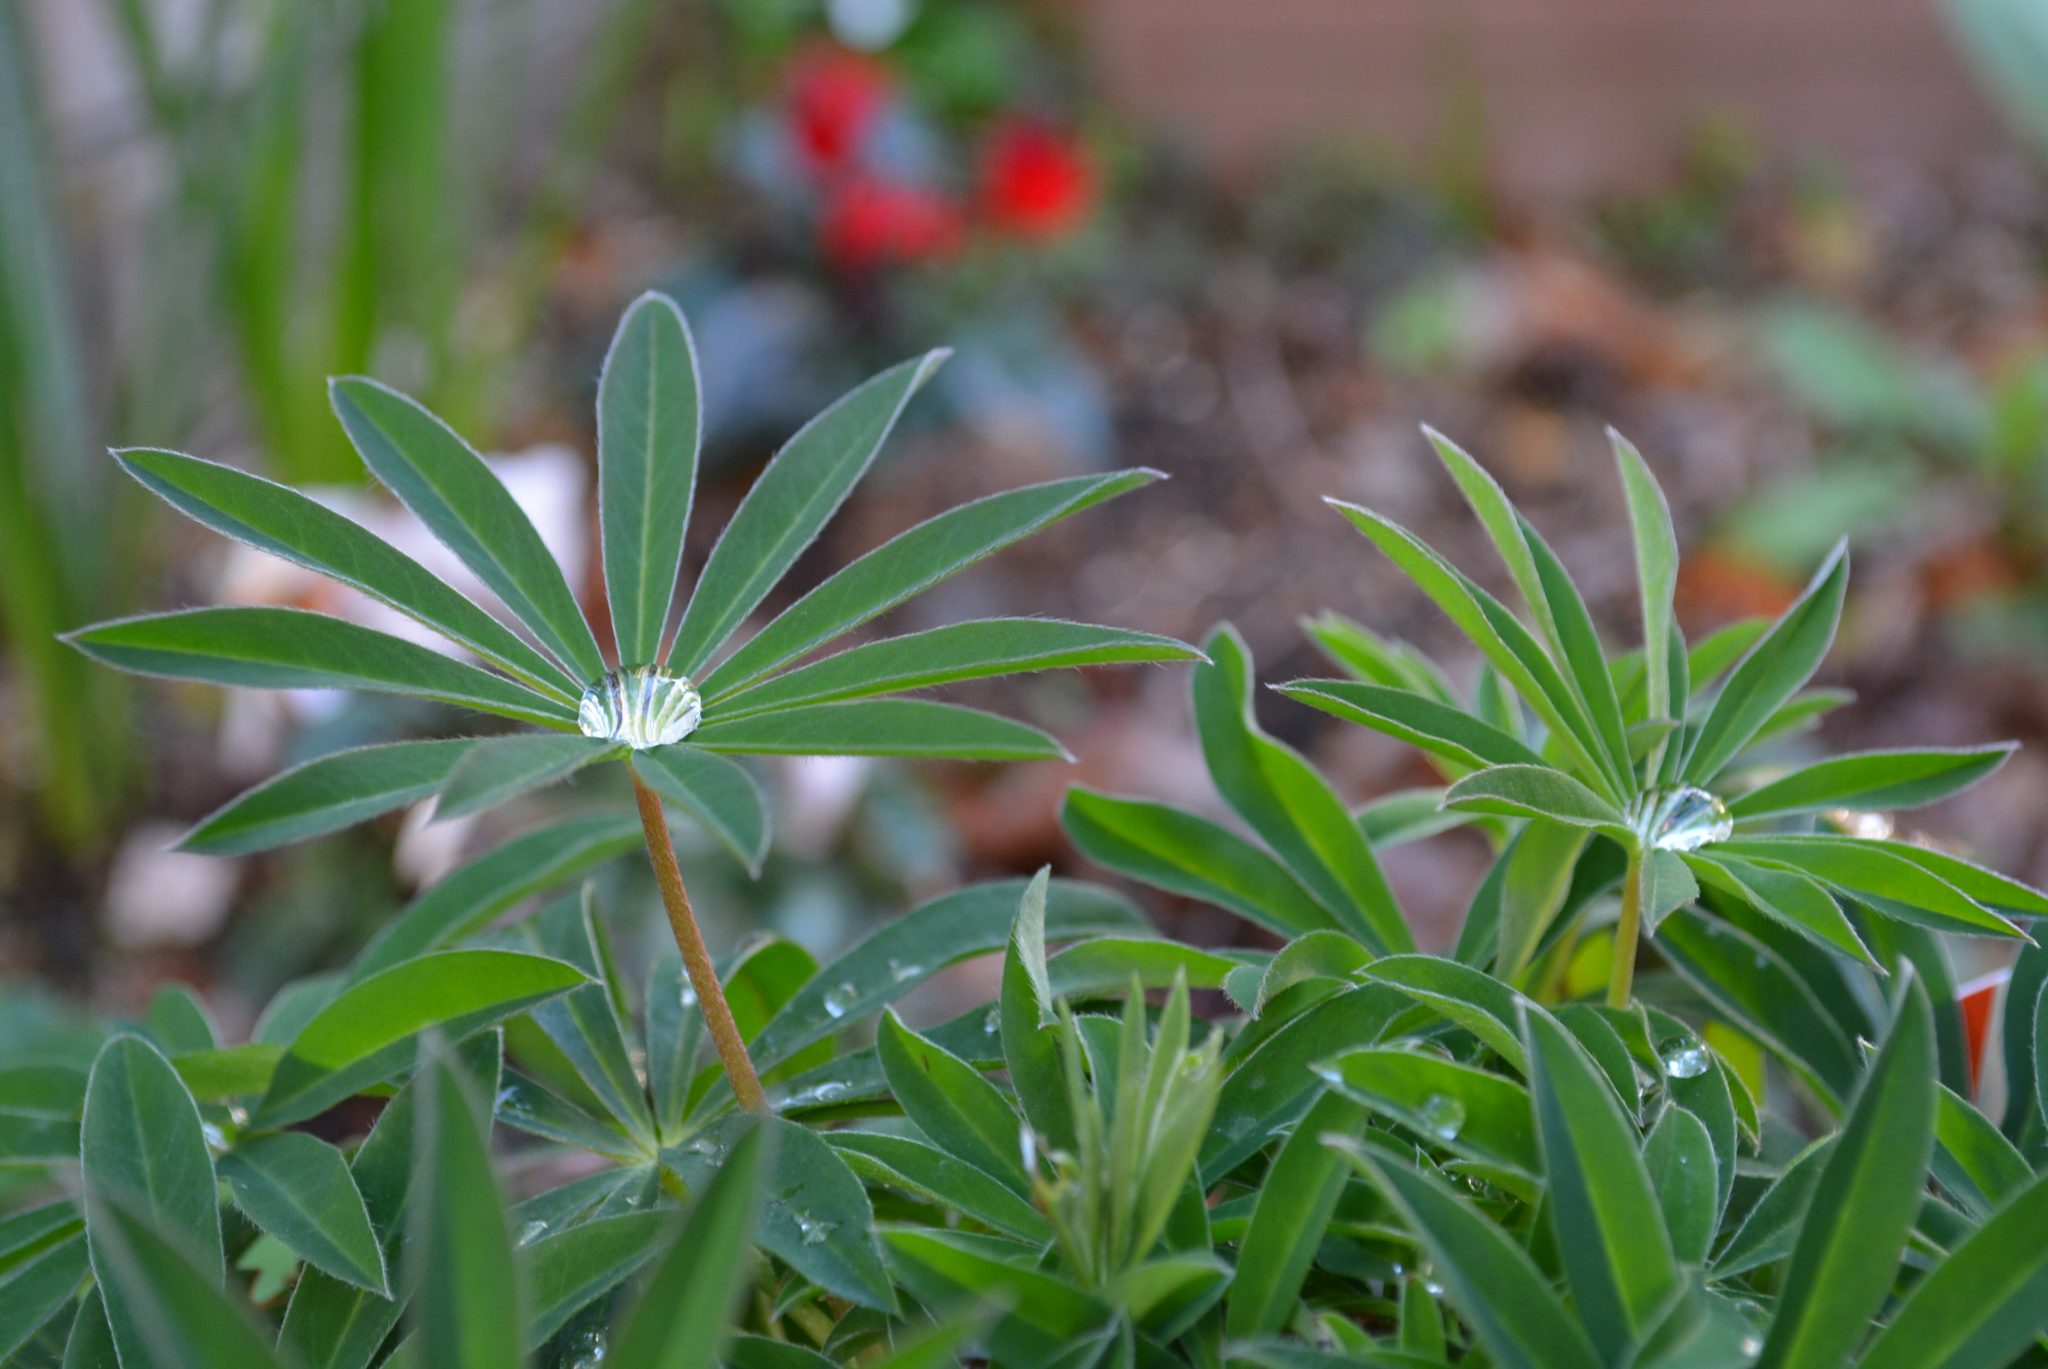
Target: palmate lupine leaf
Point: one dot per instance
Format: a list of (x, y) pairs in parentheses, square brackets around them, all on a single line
[(458, 1263), (328, 793)]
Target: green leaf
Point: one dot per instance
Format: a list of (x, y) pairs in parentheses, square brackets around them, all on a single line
[(289, 648), (1473, 1112), (142, 1148), (1044, 1317), (1874, 779), (1864, 1203), (1478, 1002), (1373, 659), (162, 1311), (564, 1271), (881, 727), (1534, 885), (584, 1022), (951, 1103), (1784, 895), (1284, 800), (1779, 663), (1616, 1251), (1873, 871), (1678, 1155), (717, 793), (945, 655), (817, 1218), (297, 1188), (1753, 985), (684, 1315), (1981, 1305), (279, 520), (36, 1289), (1537, 791), (1656, 571), (327, 794), (1973, 1160), (467, 900), (1667, 886), (1986, 886), (39, 1109), (798, 492), (458, 1267), (925, 1171), (908, 564), (1489, 1279), (500, 768), (649, 428), (1031, 1050), (1192, 856), (1438, 728), (1326, 955), (436, 475), (361, 1037), (1772, 1225)]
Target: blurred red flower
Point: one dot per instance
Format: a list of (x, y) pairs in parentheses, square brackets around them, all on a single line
[(834, 96), (1036, 181), (869, 222)]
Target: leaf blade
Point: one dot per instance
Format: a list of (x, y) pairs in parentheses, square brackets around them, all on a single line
[(650, 426)]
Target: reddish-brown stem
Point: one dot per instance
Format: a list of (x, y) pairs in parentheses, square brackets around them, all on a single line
[(725, 1033)]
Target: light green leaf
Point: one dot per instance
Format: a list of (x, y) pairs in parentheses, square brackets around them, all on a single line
[(1284, 800), (1325, 955), (1974, 1162), (1864, 1203), (297, 1188), (289, 648), (1656, 570), (361, 1037), (1984, 1303), (1771, 1227), (717, 793), (584, 1022), (467, 900), (1874, 779), (277, 519), (436, 475), (649, 428), (1784, 895), (1874, 871), (1045, 1315), (565, 1270), (1679, 1157), (789, 504), (881, 727), (945, 655), (1616, 1251), (1537, 791), (1031, 1050), (1289, 1218), (1472, 1112), (164, 1313), (1779, 663), (1538, 876), (1373, 659), (326, 794), (500, 768), (145, 1163), (1489, 1279), (458, 1263), (925, 1171), (908, 564), (1188, 855), (1667, 885), (1478, 1002), (684, 1315), (1438, 728), (951, 1103)]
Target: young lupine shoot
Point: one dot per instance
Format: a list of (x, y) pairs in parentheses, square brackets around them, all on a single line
[(671, 705)]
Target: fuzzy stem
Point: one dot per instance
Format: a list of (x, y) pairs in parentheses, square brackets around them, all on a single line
[(1627, 934), (725, 1033)]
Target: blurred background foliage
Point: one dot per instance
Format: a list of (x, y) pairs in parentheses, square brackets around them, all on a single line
[(208, 207)]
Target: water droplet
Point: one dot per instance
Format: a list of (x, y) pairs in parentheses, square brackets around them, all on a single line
[(585, 1350), (642, 706), (903, 974), (1328, 1073), (840, 999), (1442, 1116), (824, 1091), (215, 1138), (689, 998), (992, 1021), (531, 1232), (1684, 1057), (1752, 1344), (707, 1147), (1680, 818), (1433, 1288), (812, 1231)]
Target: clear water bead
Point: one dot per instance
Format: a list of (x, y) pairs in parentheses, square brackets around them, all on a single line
[(1684, 1057), (1681, 818), (641, 706), (1442, 1116)]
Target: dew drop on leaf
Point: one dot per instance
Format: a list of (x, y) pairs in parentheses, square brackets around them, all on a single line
[(641, 706), (839, 1000), (585, 1350), (811, 1230), (1684, 1057), (531, 1232), (904, 973), (1680, 818), (1442, 1116)]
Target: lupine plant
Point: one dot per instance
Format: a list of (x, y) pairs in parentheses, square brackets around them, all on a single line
[(1692, 1090), (667, 703)]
